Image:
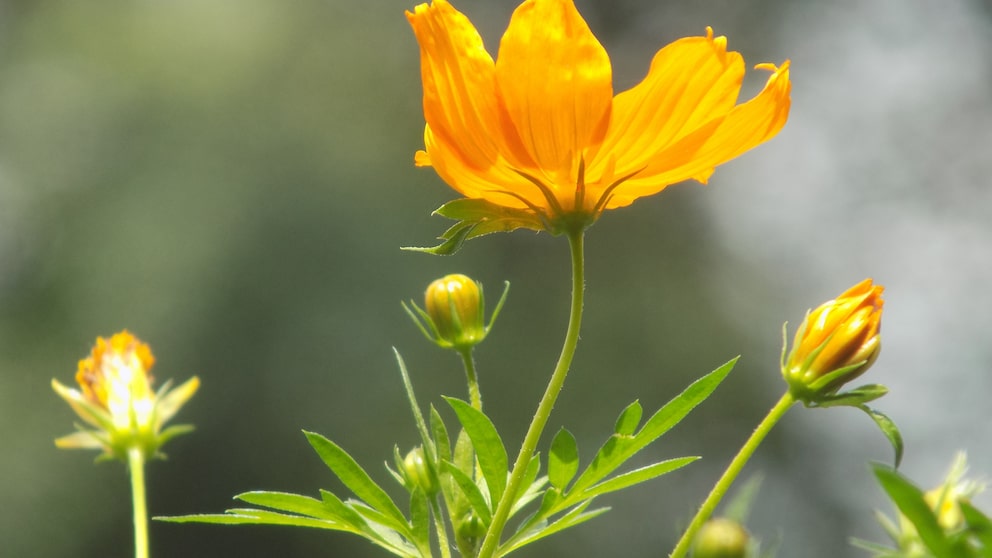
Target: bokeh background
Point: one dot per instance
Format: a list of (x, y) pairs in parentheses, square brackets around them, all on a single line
[(232, 181)]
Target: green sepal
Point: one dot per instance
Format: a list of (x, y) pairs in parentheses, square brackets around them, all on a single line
[(889, 429), (478, 217), (909, 499), (853, 398), (563, 459), (489, 449)]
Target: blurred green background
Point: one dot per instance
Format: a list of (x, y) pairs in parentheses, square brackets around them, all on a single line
[(232, 181)]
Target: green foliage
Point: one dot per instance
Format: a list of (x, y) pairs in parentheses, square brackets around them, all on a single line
[(857, 398), (472, 477), (940, 524)]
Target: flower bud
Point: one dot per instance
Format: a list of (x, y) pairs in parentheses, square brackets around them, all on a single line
[(115, 396), (417, 473), (456, 307), (721, 538), (836, 342)]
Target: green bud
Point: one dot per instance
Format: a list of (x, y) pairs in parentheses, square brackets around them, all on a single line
[(417, 473), (455, 305), (721, 538)]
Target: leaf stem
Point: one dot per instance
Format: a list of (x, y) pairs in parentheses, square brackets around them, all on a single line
[(534, 431), (475, 396), (735, 467), (136, 466), (442, 531)]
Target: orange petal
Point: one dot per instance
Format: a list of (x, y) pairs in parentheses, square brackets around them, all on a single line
[(555, 82), (745, 127), (491, 183), (458, 80), (690, 82)]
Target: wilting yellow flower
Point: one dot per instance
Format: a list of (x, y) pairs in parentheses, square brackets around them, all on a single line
[(836, 342), (116, 397), (539, 129)]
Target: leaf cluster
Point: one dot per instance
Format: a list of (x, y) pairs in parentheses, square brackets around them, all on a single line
[(472, 477)]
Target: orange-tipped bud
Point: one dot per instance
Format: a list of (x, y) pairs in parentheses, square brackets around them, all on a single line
[(455, 305), (836, 342)]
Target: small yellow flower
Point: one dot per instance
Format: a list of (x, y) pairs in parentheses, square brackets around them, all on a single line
[(836, 342), (116, 397), (540, 129)]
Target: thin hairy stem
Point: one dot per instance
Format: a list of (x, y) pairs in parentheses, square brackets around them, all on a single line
[(722, 485), (136, 466)]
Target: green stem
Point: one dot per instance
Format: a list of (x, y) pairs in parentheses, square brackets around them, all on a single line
[(495, 531), (475, 396), (734, 469), (439, 525), (136, 466)]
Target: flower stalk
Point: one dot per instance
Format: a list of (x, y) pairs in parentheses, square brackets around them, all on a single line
[(730, 475), (544, 408), (136, 467)]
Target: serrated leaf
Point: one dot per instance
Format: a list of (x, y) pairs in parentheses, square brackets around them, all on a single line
[(636, 476), (470, 491), (617, 449), (909, 499), (889, 429), (488, 446), (629, 419), (353, 476), (563, 460)]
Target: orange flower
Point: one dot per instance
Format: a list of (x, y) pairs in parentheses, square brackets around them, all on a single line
[(836, 342), (540, 130), (116, 397)]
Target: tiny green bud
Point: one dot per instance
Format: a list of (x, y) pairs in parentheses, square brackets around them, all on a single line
[(721, 538), (417, 473), (456, 307)]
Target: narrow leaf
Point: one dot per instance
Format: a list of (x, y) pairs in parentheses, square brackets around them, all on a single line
[(909, 499), (292, 503), (889, 429), (441, 441), (563, 461), (453, 239), (574, 517), (637, 476), (353, 476), (629, 419), (854, 397), (617, 450), (487, 444), (420, 519), (470, 490)]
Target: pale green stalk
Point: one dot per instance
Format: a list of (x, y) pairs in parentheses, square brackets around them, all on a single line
[(491, 542), (734, 469), (136, 466), (475, 396), (439, 525)]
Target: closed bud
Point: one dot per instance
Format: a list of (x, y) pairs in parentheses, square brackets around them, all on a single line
[(836, 342), (417, 473), (456, 307), (721, 538)]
